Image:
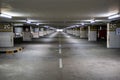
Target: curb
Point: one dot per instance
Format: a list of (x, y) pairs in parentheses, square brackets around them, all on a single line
[(12, 51)]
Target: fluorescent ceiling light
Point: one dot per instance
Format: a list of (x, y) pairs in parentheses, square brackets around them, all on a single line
[(37, 24), (5, 15), (82, 23), (114, 16), (92, 21), (46, 26), (28, 22)]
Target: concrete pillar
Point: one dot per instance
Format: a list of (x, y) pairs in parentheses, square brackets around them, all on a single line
[(6, 35), (92, 33), (73, 31), (77, 32), (83, 32), (113, 35), (27, 35)]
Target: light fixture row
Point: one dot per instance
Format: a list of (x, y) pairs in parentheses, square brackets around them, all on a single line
[(114, 16), (91, 21), (5, 15)]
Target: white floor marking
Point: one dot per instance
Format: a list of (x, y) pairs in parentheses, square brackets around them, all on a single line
[(60, 51), (60, 63)]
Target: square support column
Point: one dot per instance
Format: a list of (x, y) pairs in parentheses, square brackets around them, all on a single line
[(73, 31), (6, 35), (27, 35), (77, 32), (92, 33), (83, 32), (113, 35)]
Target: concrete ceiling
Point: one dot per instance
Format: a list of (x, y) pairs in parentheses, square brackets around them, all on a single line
[(59, 11)]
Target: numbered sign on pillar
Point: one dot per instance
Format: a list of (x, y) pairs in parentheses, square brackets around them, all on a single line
[(6, 35)]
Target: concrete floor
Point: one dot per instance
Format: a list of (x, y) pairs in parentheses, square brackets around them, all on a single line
[(60, 56)]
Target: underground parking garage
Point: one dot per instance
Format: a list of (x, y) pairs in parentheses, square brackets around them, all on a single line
[(59, 40)]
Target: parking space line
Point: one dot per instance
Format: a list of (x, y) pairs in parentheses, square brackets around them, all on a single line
[(60, 51), (60, 63)]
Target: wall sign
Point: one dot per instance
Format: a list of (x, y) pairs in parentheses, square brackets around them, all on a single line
[(6, 28)]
